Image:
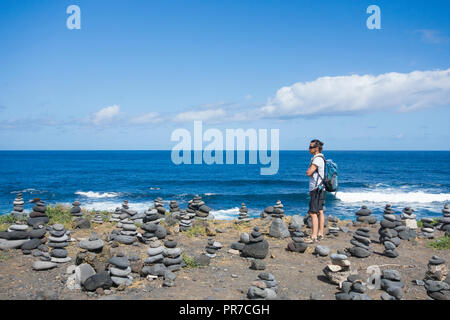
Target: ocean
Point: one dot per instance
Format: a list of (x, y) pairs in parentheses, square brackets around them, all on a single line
[(101, 180)]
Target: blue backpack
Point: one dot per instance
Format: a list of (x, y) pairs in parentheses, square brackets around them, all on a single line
[(330, 181)]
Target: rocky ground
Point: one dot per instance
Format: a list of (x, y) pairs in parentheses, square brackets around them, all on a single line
[(228, 276)]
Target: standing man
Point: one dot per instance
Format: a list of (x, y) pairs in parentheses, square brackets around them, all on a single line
[(317, 192)]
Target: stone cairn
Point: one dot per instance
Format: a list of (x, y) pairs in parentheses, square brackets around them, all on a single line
[(119, 270), (198, 206), (154, 252), (445, 220), (333, 230), (243, 214), (98, 218), (437, 280), (212, 247), (244, 238), (155, 214), (278, 229), (364, 216), (127, 214), (186, 217), (152, 230), (353, 289), (257, 247), (75, 211), (92, 244), (159, 206), (115, 217), (275, 211), (36, 238), (297, 243), (427, 230), (265, 287), (58, 240), (127, 234), (339, 269), (391, 283), (361, 243), (173, 260), (38, 215), (409, 218), (18, 207), (14, 237), (388, 231), (174, 209)]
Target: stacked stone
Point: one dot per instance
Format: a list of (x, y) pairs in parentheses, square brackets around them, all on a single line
[(119, 270), (98, 218), (437, 280), (256, 247), (186, 218), (265, 287), (75, 211), (297, 243), (275, 211), (38, 215), (212, 247), (153, 216), (198, 205), (278, 229), (296, 224), (243, 214), (338, 271), (35, 238), (92, 244), (427, 230), (361, 242), (152, 230), (115, 217), (391, 283), (445, 220), (388, 231), (18, 207), (128, 233), (353, 289), (172, 255), (409, 218), (174, 209), (364, 216), (13, 238), (159, 206), (58, 240), (154, 252), (244, 238), (333, 229)]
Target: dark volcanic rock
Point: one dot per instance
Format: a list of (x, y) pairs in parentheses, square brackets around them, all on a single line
[(258, 250), (98, 280)]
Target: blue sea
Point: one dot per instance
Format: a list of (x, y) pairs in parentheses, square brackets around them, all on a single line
[(101, 180)]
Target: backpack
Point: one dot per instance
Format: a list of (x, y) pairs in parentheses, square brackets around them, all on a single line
[(330, 181)]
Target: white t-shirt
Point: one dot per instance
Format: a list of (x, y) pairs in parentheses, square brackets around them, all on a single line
[(315, 180)]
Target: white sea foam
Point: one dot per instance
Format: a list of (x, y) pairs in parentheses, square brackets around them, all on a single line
[(112, 205), (93, 194), (393, 197), (226, 214)]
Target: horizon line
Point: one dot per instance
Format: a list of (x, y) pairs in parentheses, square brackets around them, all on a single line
[(305, 150)]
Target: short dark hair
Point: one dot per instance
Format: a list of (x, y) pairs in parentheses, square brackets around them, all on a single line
[(318, 143)]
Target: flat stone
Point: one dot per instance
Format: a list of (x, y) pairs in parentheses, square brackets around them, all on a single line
[(94, 245), (83, 272), (392, 274), (43, 265), (322, 250)]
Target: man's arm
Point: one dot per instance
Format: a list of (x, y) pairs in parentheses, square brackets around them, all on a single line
[(312, 168)]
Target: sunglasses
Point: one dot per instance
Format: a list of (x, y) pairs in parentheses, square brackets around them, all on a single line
[(312, 147)]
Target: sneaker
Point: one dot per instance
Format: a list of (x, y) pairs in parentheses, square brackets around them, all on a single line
[(319, 237)]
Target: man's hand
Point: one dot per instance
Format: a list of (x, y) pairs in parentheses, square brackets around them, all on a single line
[(312, 168)]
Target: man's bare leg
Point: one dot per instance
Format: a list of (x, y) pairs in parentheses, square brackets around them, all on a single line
[(315, 226), (321, 219)]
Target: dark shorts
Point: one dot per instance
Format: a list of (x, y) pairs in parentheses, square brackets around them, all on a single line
[(317, 200)]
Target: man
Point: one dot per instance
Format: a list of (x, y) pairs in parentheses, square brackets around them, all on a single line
[(317, 192)]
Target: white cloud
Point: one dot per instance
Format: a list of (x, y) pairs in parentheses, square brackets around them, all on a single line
[(148, 118), (105, 115), (360, 93), (211, 115)]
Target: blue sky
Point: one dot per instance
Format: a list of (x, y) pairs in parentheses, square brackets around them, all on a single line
[(137, 70)]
